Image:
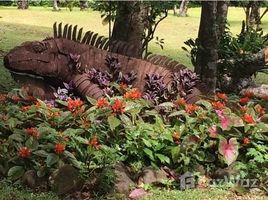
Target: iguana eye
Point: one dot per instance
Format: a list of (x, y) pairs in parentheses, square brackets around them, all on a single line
[(39, 47)]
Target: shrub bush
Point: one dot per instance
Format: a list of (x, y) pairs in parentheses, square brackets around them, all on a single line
[(92, 135)]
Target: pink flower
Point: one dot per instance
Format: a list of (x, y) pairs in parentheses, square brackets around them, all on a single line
[(213, 131)]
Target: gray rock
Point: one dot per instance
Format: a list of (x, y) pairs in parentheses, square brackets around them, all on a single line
[(152, 176), (30, 179), (65, 180), (123, 182)]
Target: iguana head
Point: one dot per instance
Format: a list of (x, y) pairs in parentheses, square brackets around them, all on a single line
[(37, 58)]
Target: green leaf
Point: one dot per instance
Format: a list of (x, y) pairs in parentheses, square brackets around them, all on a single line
[(15, 172), (31, 143), (204, 103), (41, 153), (177, 113), (91, 101), (146, 142), (16, 137), (175, 153), (64, 103), (163, 158), (113, 122), (167, 104), (149, 153), (52, 158)]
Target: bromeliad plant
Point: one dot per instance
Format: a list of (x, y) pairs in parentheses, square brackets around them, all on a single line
[(225, 131)]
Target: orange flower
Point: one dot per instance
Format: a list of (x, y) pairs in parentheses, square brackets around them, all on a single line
[(259, 109), (244, 100), (59, 148), (246, 140), (176, 137), (2, 98), (118, 106), (74, 105), (25, 108), (93, 142), (15, 98), (222, 96), (180, 102), (265, 98), (244, 109), (24, 152), (248, 94), (217, 105), (102, 102), (123, 85), (37, 104), (190, 108), (248, 119), (133, 94), (32, 132)]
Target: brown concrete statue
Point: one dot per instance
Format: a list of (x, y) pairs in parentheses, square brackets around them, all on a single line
[(70, 57)]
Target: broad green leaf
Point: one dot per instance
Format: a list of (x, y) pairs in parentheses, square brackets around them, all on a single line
[(16, 137), (204, 103), (52, 158), (146, 142), (149, 153), (177, 113), (163, 158), (15, 172), (91, 100), (175, 153), (32, 143), (41, 153), (113, 122)]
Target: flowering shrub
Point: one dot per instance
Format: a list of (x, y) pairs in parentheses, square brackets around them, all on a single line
[(94, 134)]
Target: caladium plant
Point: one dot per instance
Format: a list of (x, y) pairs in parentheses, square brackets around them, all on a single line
[(229, 150)]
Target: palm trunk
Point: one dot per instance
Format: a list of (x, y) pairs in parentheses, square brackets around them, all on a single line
[(55, 5)]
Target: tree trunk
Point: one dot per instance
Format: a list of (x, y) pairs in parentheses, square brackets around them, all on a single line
[(222, 11), (207, 55), (83, 5), (183, 8), (175, 10), (23, 4), (254, 14), (129, 24), (55, 5)]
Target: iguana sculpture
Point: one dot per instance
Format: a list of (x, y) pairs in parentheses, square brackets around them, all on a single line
[(70, 57)]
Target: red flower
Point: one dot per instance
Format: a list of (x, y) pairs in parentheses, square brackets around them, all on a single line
[(248, 119), (217, 105), (74, 104), (133, 94), (248, 94), (244, 100), (265, 98), (259, 109), (222, 96), (15, 98), (123, 85), (118, 106), (25, 108), (102, 102), (190, 108), (32, 131), (30, 98), (93, 142), (2, 98), (24, 152), (246, 140), (59, 148), (180, 102)]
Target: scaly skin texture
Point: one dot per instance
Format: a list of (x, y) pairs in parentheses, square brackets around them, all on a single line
[(58, 59)]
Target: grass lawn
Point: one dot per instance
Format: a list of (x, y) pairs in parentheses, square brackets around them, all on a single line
[(36, 23), (8, 192)]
